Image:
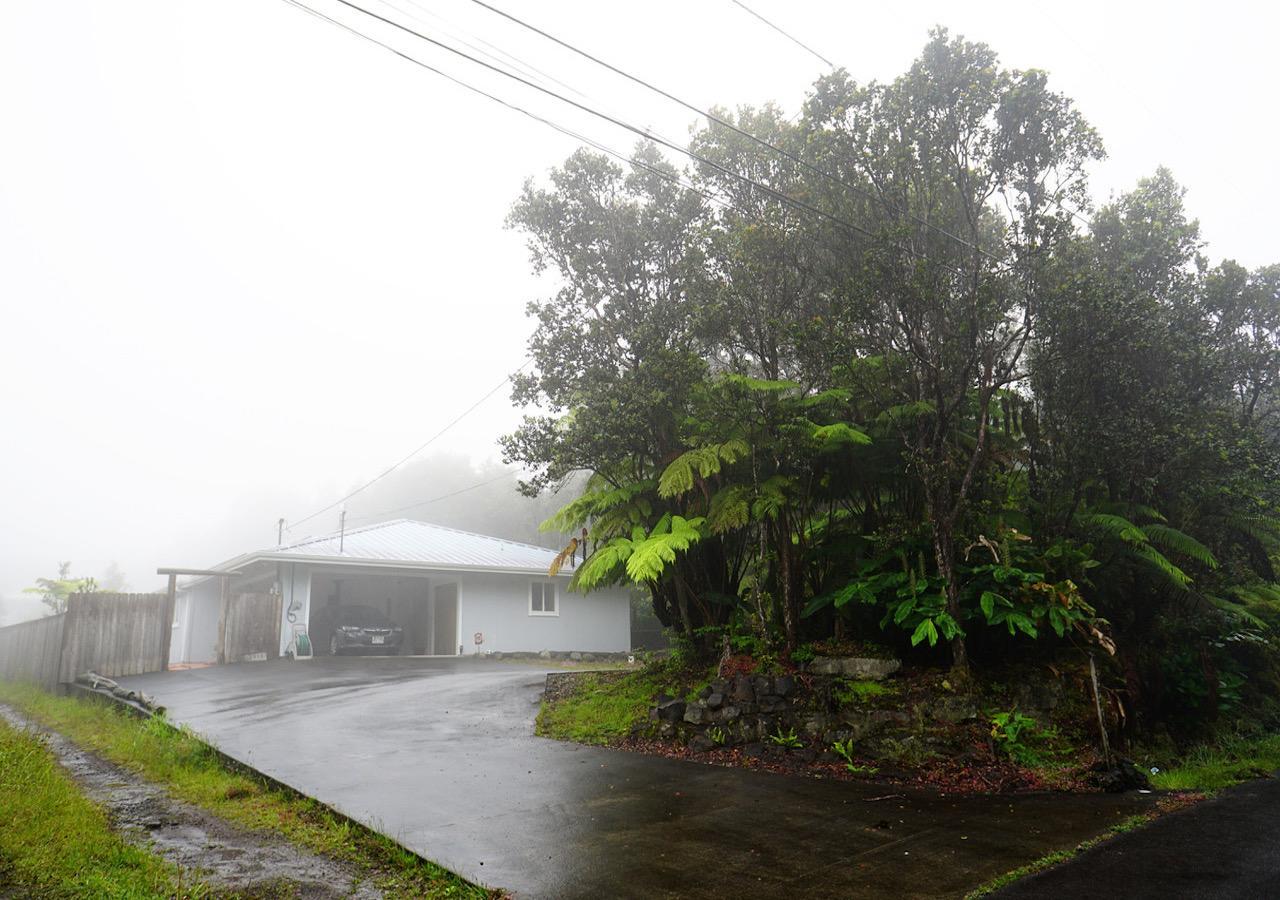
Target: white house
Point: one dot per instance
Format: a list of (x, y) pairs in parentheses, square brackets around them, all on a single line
[(453, 593)]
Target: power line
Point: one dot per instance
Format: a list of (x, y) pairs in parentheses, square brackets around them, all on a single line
[(456, 32), (793, 39), (568, 132), (386, 512), (424, 445), (644, 133), (863, 192)]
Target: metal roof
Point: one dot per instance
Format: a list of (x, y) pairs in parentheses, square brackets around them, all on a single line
[(409, 542)]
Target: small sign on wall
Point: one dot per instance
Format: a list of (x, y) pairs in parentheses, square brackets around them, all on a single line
[(479, 638)]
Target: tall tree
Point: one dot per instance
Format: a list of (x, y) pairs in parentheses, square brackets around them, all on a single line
[(971, 167)]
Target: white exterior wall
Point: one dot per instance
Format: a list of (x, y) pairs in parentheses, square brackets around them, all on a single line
[(294, 580), (494, 604), (196, 613), (498, 607)]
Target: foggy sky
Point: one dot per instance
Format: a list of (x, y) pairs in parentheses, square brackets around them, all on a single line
[(248, 260)]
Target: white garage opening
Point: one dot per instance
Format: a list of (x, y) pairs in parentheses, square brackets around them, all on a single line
[(425, 610)]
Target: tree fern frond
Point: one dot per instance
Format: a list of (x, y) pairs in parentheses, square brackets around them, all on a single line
[(1263, 529), (839, 434), (1260, 593), (570, 550), (1237, 611), (651, 556), (760, 384), (678, 477), (729, 509), (1131, 511), (1160, 563), (1180, 542), (595, 503), (905, 411), (1113, 526), (604, 566)]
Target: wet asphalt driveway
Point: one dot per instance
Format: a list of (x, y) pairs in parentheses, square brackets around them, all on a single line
[(440, 754)]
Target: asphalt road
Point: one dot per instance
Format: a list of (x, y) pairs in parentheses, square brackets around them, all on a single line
[(440, 754), (1228, 847)]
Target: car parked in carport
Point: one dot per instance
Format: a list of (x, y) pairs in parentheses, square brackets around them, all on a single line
[(364, 629)]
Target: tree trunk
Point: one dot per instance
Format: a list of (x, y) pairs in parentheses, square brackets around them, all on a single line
[(790, 608), (682, 599), (944, 551)]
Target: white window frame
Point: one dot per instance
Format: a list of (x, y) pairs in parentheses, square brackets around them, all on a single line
[(555, 598)]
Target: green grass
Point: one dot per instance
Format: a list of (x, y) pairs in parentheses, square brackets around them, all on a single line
[(1057, 857), (601, 710), (1229, 760), (851, 691), (56, 843), (192, 771)]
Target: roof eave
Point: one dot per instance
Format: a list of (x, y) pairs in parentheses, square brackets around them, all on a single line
[(268, 556)]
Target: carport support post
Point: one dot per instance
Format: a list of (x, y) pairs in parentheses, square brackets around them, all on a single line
[(166, 635), (222, 620)]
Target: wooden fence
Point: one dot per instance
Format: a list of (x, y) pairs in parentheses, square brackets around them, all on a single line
[(115, 635), (250, 627), (30, 651)]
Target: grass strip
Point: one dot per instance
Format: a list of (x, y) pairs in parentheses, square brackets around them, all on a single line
[(1228, 760), (191, 770), (1058, 857), (56, 843)]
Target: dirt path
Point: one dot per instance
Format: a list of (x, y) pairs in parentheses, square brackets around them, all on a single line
[(207, 848)]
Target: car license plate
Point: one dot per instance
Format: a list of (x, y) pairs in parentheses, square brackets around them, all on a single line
[(379, 639)]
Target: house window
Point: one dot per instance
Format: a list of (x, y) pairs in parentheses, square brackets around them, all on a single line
[(542, 599)]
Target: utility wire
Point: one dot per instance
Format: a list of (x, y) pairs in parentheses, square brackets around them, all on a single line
[(424, 445), (568, 132), (460, 34), (386, 512), (793, 39), (644, 133), (710, 116)]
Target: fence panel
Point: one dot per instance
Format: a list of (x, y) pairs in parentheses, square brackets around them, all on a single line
[(250, 627), (114, 635), (29, 651)]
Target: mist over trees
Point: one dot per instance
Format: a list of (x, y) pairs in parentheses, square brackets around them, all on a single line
[(901, 382), (456, 491)]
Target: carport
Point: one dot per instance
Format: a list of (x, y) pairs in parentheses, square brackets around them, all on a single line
[(424, 605)]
